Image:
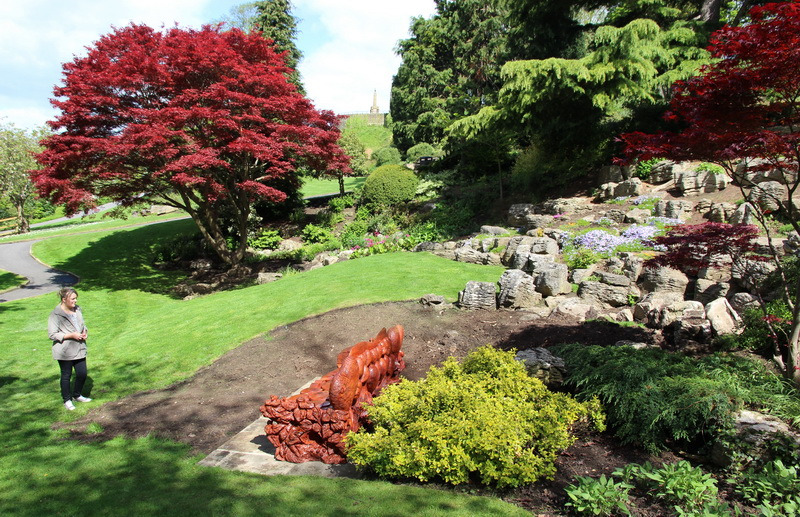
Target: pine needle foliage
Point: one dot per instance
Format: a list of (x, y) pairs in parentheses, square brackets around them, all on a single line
[(652, 397)]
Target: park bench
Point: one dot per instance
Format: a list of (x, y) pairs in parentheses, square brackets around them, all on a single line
[(311, 425)]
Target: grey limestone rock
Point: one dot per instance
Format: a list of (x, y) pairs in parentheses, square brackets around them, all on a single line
[(552, 279), (542, 364), (478, 295), (517, 290), (663, 279)]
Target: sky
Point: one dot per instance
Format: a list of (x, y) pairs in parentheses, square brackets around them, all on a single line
[(348, 45)]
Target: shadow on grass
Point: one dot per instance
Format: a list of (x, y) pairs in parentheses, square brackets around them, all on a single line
[(123, 260)]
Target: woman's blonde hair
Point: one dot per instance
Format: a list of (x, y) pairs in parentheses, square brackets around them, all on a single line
[(66, 291)]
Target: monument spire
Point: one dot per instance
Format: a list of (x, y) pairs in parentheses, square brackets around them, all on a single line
[(374, 108)]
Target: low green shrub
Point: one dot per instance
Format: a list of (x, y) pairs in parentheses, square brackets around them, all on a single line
[(421, 149), (387, 156), (688, 488), (775, 488), (484, 418), (652, 397), (314, 234), (713, 168), (354, 234), (581, 258), (266, 240), (644, 168), (602, 496), (339, 203), (390, 184), (179, 248)]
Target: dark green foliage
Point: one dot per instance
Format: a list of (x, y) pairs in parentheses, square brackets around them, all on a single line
[(484, 419), (451, 66), (387, 156), (181, 248), (419, 150), (652, 397), (275, 21), (390, 184)]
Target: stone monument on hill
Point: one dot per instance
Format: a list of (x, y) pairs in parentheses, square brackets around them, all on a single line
[(374, 117)]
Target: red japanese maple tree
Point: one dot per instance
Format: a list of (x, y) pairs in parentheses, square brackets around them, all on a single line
[(744, 109), (202, 120)]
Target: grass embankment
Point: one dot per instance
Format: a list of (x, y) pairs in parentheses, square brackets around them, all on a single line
[(320, 187), (140, 338), (10, 280)]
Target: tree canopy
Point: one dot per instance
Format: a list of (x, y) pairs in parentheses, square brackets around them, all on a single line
[(17, 148), (203, 120), (743, 107)]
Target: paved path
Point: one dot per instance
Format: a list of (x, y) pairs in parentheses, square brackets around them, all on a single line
[(16, 257)]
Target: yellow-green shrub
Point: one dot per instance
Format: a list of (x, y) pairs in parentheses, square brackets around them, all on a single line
[(484, 419)]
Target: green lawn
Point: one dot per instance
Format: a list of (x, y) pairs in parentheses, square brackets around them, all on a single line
[(9, 280), (90, 223), (320, 187), (140, 338)]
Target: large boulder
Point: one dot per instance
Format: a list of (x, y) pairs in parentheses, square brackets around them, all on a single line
[(478, 295), (470, 256), (661, 172), (553, 279), (743, 301), (691, 182), (576, 308), (544, 246), (511, 248), (606, 294), (663, 280), (673, 209), (517, 290), (754, 435), (516, 213), (723, 317), (542, 364), (707, 290), (768, 195), (537, 263), (742, 215)]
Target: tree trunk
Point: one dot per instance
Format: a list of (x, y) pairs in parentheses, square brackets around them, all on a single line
[(792, 362), (23, 226), (709, 12), (341, 185)]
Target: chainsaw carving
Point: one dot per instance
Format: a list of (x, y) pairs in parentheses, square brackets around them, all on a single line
[(311, 425)]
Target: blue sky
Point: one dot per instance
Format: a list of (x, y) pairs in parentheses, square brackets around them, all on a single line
[(347, 45)]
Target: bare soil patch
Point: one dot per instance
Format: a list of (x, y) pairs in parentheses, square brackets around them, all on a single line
[(219, 400)]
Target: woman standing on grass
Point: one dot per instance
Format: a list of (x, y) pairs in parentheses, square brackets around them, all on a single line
[(68, 332)]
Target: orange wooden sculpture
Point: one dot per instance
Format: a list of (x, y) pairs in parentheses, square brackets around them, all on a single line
[(311, 425)]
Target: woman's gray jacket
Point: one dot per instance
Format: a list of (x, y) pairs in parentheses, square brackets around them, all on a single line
[(58, 325)]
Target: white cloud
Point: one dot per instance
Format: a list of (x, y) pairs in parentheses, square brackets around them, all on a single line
[(359, 56), (348, 45)]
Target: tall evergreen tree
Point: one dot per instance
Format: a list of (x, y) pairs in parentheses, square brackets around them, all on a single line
[(451, 68), (614, 72), (275, 21)]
